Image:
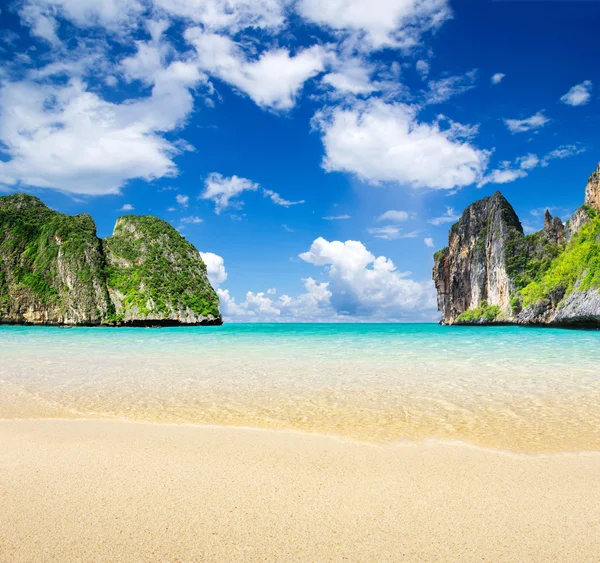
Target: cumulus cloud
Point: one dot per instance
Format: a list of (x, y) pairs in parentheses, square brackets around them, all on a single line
[(273, 80), (350, 76), (127, 207), (379, 23), (221, 190), (359, 286), (497, 78), (114, 15), (429, 242), (578, 95), (312, 305), (385, 142), (362, 284), (228, 15), (529, 124), (215, 268), (58, 132)]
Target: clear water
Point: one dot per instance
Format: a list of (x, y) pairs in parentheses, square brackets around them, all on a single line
[(512, 388)]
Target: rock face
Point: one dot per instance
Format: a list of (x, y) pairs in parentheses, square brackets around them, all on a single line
[(55, 270), (492, 273), (154, 274), (592, 190), (51, 265), (471, 269)]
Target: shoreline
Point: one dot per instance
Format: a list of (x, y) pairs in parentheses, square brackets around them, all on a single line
[(427, 442), (106, 490)]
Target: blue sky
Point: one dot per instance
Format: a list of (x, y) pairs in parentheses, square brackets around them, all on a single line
[(316, 153)]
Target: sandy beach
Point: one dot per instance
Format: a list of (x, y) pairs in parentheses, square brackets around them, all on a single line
[(77, 490)]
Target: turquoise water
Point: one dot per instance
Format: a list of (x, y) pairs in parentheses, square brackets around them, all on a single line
[(522, 389)]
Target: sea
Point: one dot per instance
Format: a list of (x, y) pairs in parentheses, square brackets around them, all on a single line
[(517, 389)]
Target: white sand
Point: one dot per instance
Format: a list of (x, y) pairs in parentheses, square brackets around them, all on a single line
[(115, 491)]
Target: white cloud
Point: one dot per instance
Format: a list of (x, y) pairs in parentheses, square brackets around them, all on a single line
[(350, 76), (503, 175), (192, 220), (528, 161), (215, 268), (278, 200), (68, 138), (429, 242), (127, 207), (381, 142), (58, 132), (391, 232), (182, 200), (313, 304), (564, 151), (359, 285), (449, 217), (394, 216), (497, 78), (229, 15), (337, 217), (445, 88), (578, 95), (378, 23), (222, 190), (364, 285), (113, 15), (272, 81), (509, 172), (422, 68), (530, 124)]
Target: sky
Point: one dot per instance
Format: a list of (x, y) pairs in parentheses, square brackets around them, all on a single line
[(316, 153)]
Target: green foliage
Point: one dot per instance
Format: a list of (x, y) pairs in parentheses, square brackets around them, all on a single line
[(439, 254), (591, 212), (484, 312), (31, 238), (157, 270), (528, 257), (580, 262)]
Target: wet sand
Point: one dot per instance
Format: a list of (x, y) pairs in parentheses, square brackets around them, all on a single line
[(83, 490)]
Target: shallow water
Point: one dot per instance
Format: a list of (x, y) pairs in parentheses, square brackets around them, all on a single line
[(510, 388)]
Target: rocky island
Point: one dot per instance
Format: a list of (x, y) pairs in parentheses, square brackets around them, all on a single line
[(55, 270), (492, 273)]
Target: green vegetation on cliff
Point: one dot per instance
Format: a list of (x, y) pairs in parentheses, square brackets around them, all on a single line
[(577, 266), (50, 260), (483, 313), (152, 270), (528, 257), (54, 269)]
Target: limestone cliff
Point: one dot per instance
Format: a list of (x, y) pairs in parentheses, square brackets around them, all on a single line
[(55, 270), (51, 265), (492, 273), (154, 274), (471, 269)]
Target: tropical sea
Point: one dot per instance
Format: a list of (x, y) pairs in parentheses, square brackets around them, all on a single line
[(527, 390)]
